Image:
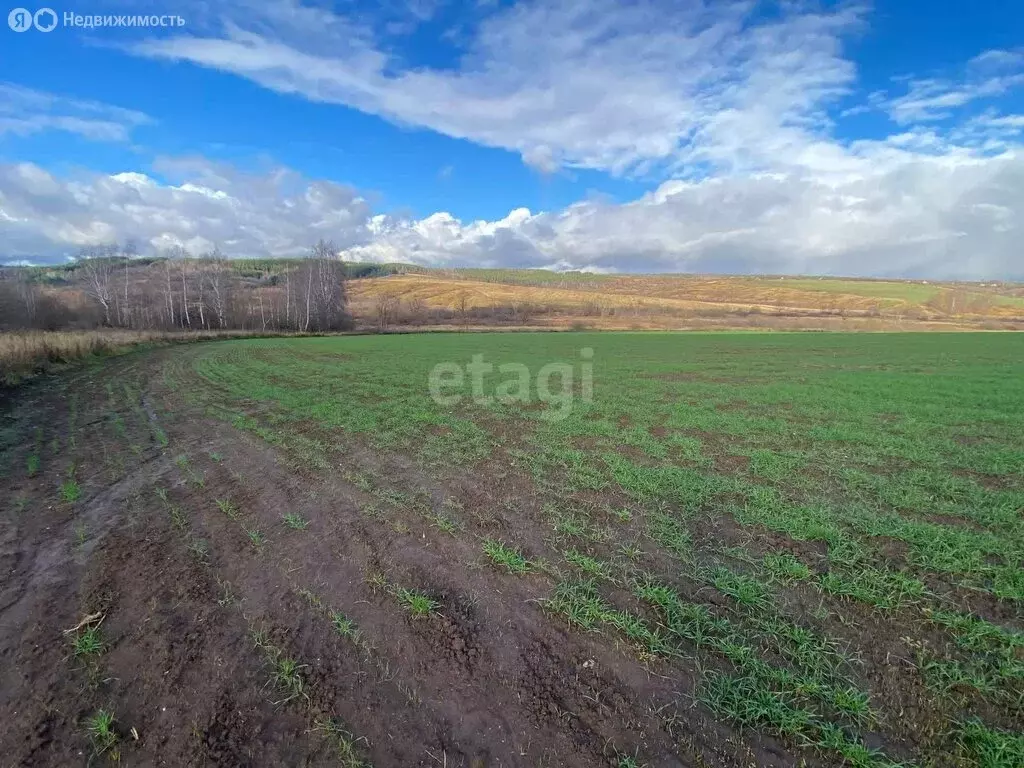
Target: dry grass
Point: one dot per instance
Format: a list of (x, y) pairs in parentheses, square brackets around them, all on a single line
[(447, 293), (682, 301), (25, 353)]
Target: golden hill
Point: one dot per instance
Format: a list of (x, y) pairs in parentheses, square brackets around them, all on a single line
[(682, 300)]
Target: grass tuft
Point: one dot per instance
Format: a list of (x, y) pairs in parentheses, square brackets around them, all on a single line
[(416, 603), (507, 557), (344, 626), (295, 521), (287, 676), (88, 642), (102, 734), (70, 491), (986, 747)]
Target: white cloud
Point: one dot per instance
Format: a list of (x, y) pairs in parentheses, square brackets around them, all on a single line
[(594, 83), (990, 74), (279, 213), (892, 212), (938, 217), (24, 111), (991, 131)]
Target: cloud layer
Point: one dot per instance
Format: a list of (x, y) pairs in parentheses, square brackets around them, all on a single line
[(945, 216), (44, 217), (731, 114), (24, 111), (590, 83)]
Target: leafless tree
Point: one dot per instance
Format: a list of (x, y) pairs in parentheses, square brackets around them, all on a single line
[(202, 304), (462, 305), (181, 257), (218, 281), (179, 291), (29, 294), (385, 309), (168, 291), (129, 252), (321, 280), (97, 263)]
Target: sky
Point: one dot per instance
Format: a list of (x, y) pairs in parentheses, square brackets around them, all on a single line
[(817, 137)]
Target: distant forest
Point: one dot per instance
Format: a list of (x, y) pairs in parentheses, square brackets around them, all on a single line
[(112, 286)]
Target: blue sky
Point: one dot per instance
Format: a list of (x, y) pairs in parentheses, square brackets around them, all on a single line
[(223, 117), (830, 138)]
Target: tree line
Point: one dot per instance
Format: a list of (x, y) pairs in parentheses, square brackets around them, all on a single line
[(112, 286)]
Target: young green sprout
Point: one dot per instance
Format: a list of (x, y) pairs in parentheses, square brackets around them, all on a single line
[(88, 642), (508, 557), (295, 521), (102, 734), (416, 603), (344, 625), (70, 491)]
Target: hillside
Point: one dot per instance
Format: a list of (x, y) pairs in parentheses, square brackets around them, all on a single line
[(671, 301), (264, 293)]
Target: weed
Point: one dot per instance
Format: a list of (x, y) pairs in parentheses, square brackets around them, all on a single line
[(508, 557), (178, 518), (344, 625), (631, 550), (622, 514), (372, 511), (312, 598), (287, 676), (416, 603), (70, 491), (343, 741), (986, 747), (588, 564), (445, 524), (568, 524), (377, 581), (228, 508), (256, 537), (360, 480), (33, 464), (200, 548), (227, 593), (102, 735), (786, 567), (88, 642), (261, 640), (295, 521), (629, 761)]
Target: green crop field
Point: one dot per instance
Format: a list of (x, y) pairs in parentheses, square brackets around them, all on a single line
[(724, 549), (902, 290)]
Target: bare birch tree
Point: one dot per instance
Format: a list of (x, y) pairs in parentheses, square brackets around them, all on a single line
[(97, 264)]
